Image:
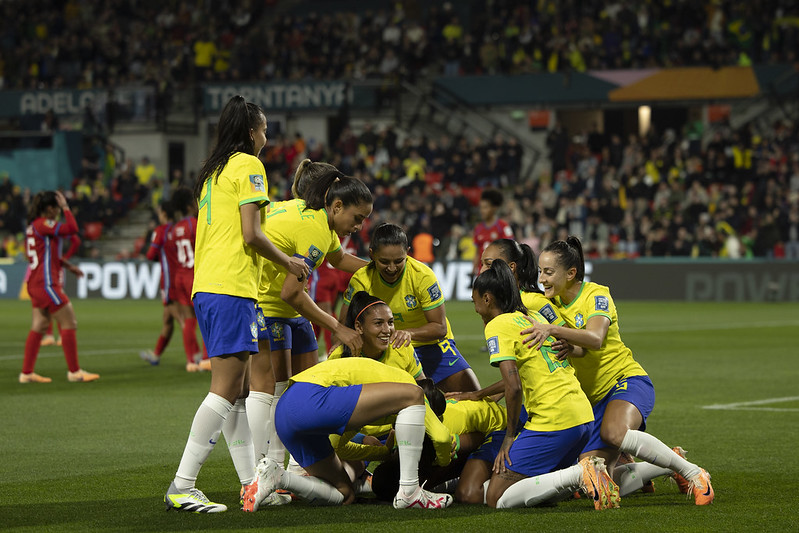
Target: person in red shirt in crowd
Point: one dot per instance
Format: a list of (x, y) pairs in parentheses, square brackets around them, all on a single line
[(45, 286), (491, 226), (158, 252), (180, 240)]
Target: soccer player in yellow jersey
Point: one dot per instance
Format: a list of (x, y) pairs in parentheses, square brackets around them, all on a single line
[(373, 320), (538, 464), (333, 206), (231, 188), (619, 389), (342, 395), (412, 292)]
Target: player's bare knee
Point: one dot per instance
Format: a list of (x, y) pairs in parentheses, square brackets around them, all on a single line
[(613, 435), (469, 494)]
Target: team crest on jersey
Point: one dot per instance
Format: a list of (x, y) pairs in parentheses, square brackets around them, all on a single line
[(276, 330), (49, 223), (548, 313), (410, 302), (314, 254), (601, 303), (493, 345), (254, 331), (434, 291), (579, 321), (257, 183)]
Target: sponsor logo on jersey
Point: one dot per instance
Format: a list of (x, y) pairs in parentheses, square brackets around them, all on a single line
[(434, 291), (601, 303), (257, 183), (493, 345), (548, 313)]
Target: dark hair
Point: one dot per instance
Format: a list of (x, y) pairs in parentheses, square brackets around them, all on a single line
[(307, 172), (435, 398), (526, 264), (183, 200), (570, 254), (388, 234), (492, 196), (499, 281), (168, 209), (41, 201), (360, 300), (332, 185), (232, 135)]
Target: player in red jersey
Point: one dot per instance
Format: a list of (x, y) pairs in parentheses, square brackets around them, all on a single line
[(74, 243), (158, 252), (491, 226), (181, 239), (45, 287)]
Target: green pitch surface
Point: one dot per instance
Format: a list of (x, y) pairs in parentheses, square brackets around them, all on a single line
[(99, 456)]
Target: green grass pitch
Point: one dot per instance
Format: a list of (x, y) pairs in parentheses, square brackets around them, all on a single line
[(99, 456)]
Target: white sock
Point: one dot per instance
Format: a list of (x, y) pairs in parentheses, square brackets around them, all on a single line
[(632, 476), (275, 449), (205, 430), (538, 489), (409, 436), (237, 434), (650, 449), (485, 490), (259, 417), (311, 489)]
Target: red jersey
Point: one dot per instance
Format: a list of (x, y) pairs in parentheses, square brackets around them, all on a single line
[(182, 237), (166, 256), (43, 248), (485, 235)]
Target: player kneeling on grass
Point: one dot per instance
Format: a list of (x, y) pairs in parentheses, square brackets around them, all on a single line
[(538, 465), (342, 395)]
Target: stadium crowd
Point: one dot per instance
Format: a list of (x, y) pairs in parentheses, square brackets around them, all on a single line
[(65, 43)]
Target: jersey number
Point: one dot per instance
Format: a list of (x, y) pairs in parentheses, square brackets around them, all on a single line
[(551, 359), (30, 249), (185, 253), (205, 201)]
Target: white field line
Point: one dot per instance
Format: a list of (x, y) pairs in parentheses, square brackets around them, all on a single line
[(59, 353), (755, 405)]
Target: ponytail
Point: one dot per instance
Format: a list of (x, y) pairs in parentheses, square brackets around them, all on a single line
[(569, 254)]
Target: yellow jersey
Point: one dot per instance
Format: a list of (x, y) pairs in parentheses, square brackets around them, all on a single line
[(362, 370), (535, 301), (223, 263), (296, 231), (466, 416), (552, 395), (416, 291), (403, 358), (600, 369)]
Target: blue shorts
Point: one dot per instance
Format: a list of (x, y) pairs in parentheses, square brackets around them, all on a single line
[(539, 452), (307, 414), (295, 334), (441, 360), (227, 323), (489, 449), (637, 390)]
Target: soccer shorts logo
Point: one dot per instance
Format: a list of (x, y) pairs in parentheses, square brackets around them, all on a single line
[(601, 303), (259, 315), (579, 321), (254, 330), (276, 330), (410, 302), (434, 291)]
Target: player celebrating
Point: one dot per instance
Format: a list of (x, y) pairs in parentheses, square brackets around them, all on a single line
[(621, 393), (538, 464), (231, 188), (45, 286), (344, 395), (412, 291), (157, 251)]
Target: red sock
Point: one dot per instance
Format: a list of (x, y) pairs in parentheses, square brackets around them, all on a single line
[(31, 351), (70, 346), (190, 339), (160, 345), (49, 329)]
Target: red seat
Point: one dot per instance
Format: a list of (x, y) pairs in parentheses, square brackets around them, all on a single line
[(93, 230)]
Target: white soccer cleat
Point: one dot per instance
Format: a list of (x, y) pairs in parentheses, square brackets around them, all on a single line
[(191, 501), (422, 499), (268, 474)]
